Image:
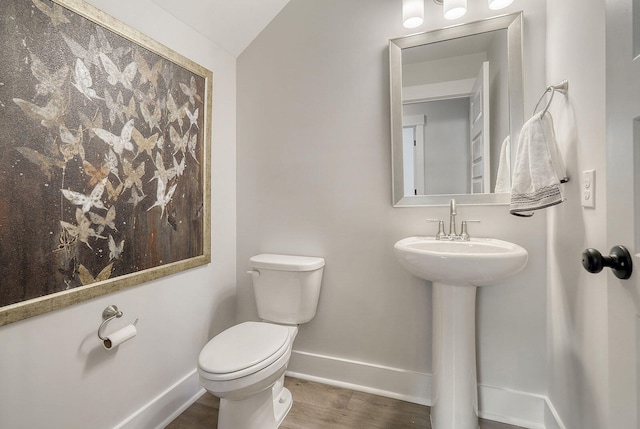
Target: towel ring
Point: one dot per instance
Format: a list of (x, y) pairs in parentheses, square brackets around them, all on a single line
[(562, 87)]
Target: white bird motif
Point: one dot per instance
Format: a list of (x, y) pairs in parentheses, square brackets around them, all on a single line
[(161, 173), (118, 143), (82, 231), (107, 221), (83, 81), (87, 201), (163, 199), (191, 91), (115, 250), (115, 75), (89, 55), (175, 113), (116, 108), (71, 144), (192, 146), (193, 117), (111, 159), (135, 197), (179, 167), (153, 119), (180, 143)]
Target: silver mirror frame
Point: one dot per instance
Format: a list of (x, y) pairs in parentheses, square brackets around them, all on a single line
[(513, 24)]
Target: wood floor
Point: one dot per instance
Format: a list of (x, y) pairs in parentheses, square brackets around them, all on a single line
[(318, 406)]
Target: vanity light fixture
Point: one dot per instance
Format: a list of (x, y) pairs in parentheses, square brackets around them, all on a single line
[(454, 9), (499, 4), (412, 13)]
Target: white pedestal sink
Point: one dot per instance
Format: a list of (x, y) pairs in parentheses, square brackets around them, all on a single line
[(456, 269)]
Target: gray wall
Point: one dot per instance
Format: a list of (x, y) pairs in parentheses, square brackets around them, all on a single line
[(314, 178), (447, 150)]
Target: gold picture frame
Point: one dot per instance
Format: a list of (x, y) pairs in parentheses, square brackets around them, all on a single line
[(105, 163)]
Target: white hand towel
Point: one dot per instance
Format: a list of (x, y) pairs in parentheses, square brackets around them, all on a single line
[(552, 145), (538, 168), (503, 179)]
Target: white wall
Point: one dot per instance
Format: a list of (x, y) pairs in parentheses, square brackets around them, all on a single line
[(54, 372), (443, 70), (578, 300), (446, 144), (314, 178)]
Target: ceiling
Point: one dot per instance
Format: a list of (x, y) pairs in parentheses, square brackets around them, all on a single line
[(231, 24)]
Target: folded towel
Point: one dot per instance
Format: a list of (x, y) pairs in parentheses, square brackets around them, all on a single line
[(503, 179), (538, 168)]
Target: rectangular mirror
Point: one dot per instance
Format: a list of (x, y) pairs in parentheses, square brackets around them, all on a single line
[(456, 100)]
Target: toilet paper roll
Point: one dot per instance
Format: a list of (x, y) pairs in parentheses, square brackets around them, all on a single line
[(120, 336)]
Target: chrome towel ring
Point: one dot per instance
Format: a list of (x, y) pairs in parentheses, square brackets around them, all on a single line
[(562, 87)]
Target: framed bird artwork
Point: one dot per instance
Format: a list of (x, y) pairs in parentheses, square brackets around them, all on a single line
[(104, 157)]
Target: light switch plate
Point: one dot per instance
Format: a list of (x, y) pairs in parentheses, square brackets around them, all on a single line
[(588, 188)]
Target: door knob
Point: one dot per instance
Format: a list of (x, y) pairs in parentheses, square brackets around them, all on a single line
[(619, 260)]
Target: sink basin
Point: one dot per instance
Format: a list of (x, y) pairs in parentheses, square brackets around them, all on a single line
[(478, 262), (456, 268)]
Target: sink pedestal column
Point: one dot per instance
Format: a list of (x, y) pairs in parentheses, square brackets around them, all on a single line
[(454, 389)]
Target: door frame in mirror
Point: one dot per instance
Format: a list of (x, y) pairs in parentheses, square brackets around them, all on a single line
[(513, 24)]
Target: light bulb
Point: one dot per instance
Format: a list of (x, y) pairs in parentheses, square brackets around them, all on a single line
[(499, 4), (412, 13), (454, 9)]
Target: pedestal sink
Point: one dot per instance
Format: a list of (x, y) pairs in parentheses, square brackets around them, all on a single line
[(456, 269)]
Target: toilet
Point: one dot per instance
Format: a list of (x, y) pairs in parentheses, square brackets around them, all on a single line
[(244, 365)]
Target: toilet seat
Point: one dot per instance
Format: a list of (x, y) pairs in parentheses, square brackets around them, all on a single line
[(243, 350)]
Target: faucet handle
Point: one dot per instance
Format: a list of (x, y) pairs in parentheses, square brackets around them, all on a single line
[(464, 234), (440, 235)]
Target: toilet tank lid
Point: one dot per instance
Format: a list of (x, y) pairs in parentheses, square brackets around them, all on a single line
[(286, 262)]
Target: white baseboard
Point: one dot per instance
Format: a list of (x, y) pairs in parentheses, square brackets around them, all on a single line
[(380, 380), (505, 405), (551, 417), (511, 406), (161, 410)]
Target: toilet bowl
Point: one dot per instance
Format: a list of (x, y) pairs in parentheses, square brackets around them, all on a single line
[(242, 362), (245, 365)]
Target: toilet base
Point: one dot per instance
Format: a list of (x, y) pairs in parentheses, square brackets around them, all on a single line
[(264, 410)]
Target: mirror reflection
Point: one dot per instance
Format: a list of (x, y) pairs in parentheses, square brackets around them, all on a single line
[(456, 99), (455, 114)]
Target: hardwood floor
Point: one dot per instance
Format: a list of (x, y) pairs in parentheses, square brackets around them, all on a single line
[(318, 406)]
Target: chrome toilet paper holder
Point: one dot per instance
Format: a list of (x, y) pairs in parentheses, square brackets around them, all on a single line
[(110, 313)]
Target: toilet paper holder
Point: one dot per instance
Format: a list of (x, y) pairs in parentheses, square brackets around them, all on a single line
[(110, 313)]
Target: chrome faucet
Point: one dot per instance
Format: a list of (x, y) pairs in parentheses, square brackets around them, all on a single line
[(453, 230), (452, 219)]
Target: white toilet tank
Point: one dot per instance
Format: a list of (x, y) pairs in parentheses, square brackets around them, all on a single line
[(286, 287)]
